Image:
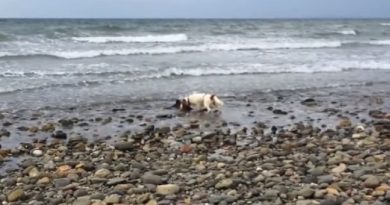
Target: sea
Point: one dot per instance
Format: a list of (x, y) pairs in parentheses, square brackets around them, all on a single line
[(72, 62)]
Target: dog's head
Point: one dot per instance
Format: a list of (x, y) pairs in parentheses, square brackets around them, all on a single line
[(216, 101), (183, 105)]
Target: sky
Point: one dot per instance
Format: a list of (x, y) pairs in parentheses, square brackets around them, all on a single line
[(194, 8)]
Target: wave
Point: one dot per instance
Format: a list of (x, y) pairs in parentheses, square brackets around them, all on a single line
[(348, 32), (340, 32), (174, 72), (385, 24), (180, 49), (380, 42), (135, 39)]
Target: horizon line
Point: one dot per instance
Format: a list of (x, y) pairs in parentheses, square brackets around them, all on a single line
[(190, 18)]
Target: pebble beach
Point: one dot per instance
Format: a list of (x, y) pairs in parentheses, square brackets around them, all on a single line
[(326, 146)]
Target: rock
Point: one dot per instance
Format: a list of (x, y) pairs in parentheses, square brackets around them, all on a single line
[(383, 187), (325, 179), (371, 182), (185, 148), (197, 139), (271, 193), (167, 189), (279, 112), (34, 172), (306, 192), (61, 182), (102, 173), (44, 180), (33, 129), (124, 146), (37, 152), (15, 195), (115, 181), (4, 132), (224, 183), (112, 199), (309, 102), (376, 114), (84, 200), (63, 170), (66, 123), (50, 127), (345, 123), (332, 191), (149, 178), (152, 202), (59, 135), (339, 169)]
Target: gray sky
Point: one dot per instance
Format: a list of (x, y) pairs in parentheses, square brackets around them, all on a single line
[(194, 8)]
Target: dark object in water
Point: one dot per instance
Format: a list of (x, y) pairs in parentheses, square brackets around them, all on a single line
[(274, 129)]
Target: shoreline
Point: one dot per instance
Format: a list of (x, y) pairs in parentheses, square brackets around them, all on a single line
[(137, 153)]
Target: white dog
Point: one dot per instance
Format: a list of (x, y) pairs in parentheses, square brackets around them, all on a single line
[(200, 101)]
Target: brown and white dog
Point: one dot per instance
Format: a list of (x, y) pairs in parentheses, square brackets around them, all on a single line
[(199, 101)]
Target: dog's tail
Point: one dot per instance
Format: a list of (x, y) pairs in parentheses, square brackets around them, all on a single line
[(217, 101)]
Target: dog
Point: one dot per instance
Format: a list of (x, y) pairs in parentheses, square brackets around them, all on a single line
[(199, 101)]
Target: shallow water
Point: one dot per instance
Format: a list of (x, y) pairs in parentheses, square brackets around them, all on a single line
[(76, 62)]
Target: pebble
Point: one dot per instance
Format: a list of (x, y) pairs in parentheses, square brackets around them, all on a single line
[(371, 181), (112, 199), (224, 183), (167, 189), (15, 195), (61, 182), (149, 178), (102, 173), (37, 152)]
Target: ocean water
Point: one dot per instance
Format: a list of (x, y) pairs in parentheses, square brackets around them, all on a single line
[(78, 62)]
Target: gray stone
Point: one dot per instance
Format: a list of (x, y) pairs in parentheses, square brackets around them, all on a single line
[(61, 182), (371, 181), (306, 192), (113, 199), (84, 200), (149, 178), (115, 181)]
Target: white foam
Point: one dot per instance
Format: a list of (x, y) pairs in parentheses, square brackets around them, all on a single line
[(199, 48), (380, 42), (385, 24), (348, 32), (136, 39)]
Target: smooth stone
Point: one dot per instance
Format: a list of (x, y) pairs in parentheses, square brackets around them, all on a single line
[(306, 192), (44, 180), (152, 202), (325, 179), (339, 169), (15, 195), (149, 178), (115, 181), (84, 200), (167, 189), (371, 181), (224, 183), (37, 152), (61, 182), (271, 193), (124, 146), (102, 173), (113, 199), (80, 192), (307, 202)]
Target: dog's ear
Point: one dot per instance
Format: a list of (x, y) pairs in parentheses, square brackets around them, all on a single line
[(177, 104), (212, 97), (186, 105)]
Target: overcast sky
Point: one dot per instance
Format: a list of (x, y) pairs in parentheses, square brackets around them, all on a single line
[(195, 8)]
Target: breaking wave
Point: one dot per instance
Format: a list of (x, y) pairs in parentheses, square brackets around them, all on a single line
[(135, 39)]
